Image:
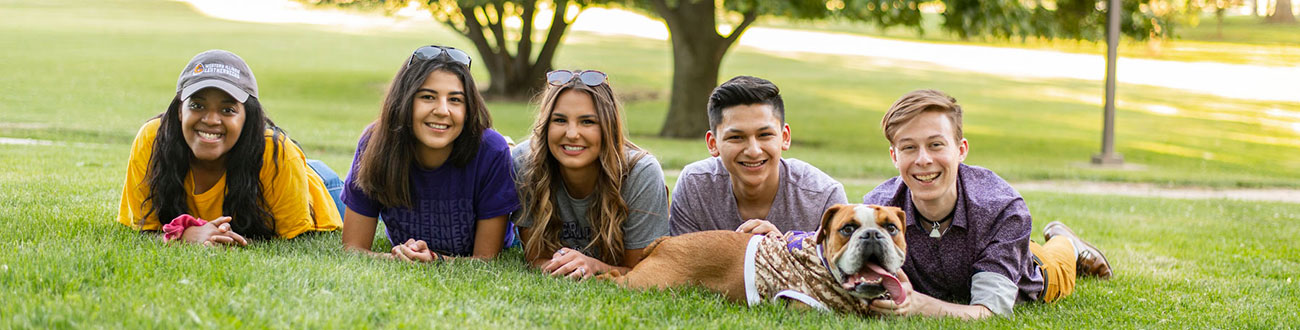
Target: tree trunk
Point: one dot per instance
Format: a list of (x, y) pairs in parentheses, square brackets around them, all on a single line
[(1218, 22), (511, 84), (1282, 13), (1254, 8), (697, 58)]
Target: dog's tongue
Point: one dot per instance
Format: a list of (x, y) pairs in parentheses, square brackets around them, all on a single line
[(891, 283)]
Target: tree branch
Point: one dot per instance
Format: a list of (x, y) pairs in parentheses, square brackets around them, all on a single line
[(498, 30), (553, 36), (524, 49), (750, 17), (474, 31), (668, 13)]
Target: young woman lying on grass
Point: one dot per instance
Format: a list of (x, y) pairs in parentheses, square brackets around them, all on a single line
[(592, 200), (217, 169), (431, 167)]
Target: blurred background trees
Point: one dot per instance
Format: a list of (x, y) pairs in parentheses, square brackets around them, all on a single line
[(517, 56)]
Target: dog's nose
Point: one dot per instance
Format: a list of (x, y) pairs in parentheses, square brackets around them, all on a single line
[(873, 234)]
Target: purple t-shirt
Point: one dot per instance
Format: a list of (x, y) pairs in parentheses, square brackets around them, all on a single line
[(448, 201), (989, 233)]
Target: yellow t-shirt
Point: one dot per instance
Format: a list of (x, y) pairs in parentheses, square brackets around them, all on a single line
[(296, 198)]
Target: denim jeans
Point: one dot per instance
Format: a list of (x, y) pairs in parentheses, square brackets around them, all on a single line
[(332, 182)]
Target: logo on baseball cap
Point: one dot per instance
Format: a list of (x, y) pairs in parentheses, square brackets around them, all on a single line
[(219, 69)]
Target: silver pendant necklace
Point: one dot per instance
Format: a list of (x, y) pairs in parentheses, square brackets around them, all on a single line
[(934, 228), (934, 225)]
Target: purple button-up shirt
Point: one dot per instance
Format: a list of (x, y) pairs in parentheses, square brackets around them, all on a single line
[(989, 233)]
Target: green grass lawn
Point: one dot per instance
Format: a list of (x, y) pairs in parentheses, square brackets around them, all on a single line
[(86, 75)]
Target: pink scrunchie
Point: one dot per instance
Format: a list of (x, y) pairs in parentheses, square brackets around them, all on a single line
[(174, 230)]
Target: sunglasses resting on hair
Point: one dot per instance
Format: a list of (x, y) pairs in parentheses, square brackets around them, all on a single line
[(588, 77), (431, 52)]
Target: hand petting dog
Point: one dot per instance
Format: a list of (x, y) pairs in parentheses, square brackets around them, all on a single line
[(758, 227)]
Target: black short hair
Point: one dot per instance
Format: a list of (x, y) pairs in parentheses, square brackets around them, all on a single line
[(744, 90)]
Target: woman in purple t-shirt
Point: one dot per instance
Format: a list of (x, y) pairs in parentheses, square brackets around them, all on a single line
[(431, 167)]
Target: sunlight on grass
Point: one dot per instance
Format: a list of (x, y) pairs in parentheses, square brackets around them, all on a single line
[(1174, 150), (64, 263)]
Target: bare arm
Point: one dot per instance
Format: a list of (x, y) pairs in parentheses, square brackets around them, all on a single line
[(359, 234), (490, 237), (933, 307)]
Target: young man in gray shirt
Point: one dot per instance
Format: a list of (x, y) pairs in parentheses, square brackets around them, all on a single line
[(746, 186)]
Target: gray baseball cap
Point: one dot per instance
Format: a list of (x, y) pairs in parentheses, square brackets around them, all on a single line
[(220, 69)]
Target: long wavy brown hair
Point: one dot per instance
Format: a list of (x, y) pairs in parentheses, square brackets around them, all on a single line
[(541, 178)]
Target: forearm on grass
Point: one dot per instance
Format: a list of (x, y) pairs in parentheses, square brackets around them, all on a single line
[(933, 307), (359, 234)]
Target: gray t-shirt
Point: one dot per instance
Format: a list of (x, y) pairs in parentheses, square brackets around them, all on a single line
[(645, 193), (703, 199)]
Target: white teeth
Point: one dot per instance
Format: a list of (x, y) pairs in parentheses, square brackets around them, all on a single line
[(755, 164), (926, 178), (438, 126), (209, 136), (574, 148)]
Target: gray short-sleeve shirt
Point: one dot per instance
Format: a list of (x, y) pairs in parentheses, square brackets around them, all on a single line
[(644, 191), (703, 199)]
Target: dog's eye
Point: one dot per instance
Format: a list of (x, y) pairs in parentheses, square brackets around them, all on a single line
[(893, 230), (848, 230)]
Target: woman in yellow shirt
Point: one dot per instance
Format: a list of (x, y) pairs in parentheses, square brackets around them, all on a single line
[(215, 156)]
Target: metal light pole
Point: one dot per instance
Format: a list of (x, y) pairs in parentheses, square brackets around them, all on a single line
[(1108, 155)]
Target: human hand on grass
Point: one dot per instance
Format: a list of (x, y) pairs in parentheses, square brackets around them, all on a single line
[(758, 227), (415, 250), (910, 306), (570, 263), (215, 232), (922, 304)]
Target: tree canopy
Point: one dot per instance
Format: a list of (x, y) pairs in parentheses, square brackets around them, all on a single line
[(516, 56)]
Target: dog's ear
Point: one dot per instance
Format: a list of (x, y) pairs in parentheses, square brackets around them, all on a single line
[(823, 231), (902, 217)]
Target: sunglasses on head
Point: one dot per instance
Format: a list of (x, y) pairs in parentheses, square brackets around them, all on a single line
[(431, 52), (588, 77)]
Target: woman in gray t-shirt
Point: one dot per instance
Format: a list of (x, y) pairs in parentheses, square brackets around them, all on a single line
[(591, 200)]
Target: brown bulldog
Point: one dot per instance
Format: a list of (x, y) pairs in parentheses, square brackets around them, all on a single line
[(853, 259)]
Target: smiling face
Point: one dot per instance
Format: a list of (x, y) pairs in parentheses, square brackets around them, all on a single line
[(749, 140), (437, 117), (211, 121), (573, 131), (927, 153)]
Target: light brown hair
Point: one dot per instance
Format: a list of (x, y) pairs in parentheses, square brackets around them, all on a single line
[(917, 102), (541, 178)]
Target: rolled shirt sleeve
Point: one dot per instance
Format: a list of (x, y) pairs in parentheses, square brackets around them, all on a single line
[(994, 291)]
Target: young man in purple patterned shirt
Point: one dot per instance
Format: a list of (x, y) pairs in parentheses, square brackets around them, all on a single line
[(968, 248)]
